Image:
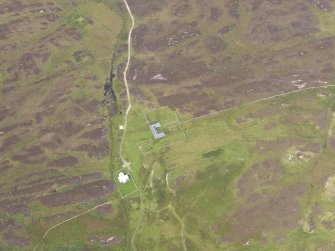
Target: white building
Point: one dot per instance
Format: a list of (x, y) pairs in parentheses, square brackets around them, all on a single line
[(123, 178)]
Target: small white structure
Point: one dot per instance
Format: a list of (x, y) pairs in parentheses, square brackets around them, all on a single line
[(123, 178), (121, 127)]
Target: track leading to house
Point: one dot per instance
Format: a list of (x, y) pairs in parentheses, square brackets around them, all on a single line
[(124, 161)]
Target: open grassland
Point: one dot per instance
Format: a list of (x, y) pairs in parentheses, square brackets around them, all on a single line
[(259, 177)]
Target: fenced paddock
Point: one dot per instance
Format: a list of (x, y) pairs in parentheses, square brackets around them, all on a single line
[(170, 125), (128, 188)]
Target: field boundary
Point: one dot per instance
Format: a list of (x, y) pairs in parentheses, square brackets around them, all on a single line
[(132, 179), (154, 110), (177, 121), (180, 141), (256, 101)]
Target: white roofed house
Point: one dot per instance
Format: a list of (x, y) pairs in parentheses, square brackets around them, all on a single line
[(123, 178)]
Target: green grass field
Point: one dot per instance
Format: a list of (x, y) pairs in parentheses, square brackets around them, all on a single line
[(128, 188), (208, 183)]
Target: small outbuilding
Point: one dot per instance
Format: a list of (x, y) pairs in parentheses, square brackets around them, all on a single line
[(123, 178), (154, 130)]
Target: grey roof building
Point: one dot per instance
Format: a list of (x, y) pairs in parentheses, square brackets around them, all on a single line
[(154, 131)]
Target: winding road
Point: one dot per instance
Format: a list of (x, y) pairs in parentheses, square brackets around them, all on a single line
[(124, 161)]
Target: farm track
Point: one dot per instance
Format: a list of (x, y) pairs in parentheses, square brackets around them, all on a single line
[(124, 162), (123, 136)]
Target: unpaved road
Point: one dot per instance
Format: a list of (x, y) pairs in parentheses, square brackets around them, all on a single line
[(124, 162), (256, 101)]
